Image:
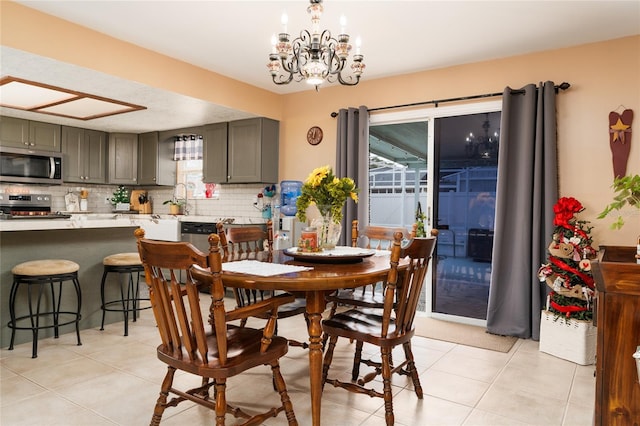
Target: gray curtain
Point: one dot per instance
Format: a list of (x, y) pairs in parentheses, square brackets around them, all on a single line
[(527, 189), (352, 160)]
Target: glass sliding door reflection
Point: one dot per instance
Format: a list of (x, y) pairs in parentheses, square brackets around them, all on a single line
[(466, 149)]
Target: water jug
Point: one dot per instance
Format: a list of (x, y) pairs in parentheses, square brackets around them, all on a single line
[(290, 190)]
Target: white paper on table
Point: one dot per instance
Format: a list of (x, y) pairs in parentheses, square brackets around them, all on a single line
[(262, 269)]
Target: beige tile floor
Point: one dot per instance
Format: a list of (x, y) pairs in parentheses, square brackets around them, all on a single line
[(114, 380)]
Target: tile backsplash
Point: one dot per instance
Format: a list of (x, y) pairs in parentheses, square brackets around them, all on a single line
[(234, 201)]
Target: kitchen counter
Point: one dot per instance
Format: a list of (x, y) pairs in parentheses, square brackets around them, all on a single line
[(85, 239), (112, 220)]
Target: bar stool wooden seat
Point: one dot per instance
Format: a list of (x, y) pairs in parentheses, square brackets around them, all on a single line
[(39, 273), (125, 265)]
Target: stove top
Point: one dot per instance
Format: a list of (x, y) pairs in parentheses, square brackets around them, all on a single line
[(28, 206)]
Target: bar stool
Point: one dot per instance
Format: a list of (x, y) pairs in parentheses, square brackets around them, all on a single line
[(129, 301), (38, 273)]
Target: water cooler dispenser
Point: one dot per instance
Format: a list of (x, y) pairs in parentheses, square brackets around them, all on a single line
[(286, 227)]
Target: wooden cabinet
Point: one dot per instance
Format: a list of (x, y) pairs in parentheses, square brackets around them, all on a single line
[(123, 158), (155, 161), (85, 155), (20, 133), (250, 154), (617, 278), (214, 153)]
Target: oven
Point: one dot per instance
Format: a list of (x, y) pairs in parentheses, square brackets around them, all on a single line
[(28, 206)]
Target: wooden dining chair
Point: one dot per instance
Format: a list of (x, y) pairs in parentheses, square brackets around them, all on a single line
[(386, 328), (175, 271), (371, 237), (251, 242)]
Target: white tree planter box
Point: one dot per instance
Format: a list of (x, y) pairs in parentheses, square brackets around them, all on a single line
[(123, 207), (571, 339)]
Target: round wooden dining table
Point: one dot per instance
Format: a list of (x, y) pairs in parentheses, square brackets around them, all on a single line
[(324, 277)]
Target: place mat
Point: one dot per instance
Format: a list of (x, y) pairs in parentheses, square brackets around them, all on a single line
[(462, 334), (262, 269)]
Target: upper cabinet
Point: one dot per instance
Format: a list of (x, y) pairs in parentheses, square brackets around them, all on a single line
[(123, 158), (19, 133), (214, 153), (85, 155), (250, 155), (155, 161)]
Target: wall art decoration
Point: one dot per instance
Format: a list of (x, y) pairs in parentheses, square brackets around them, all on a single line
[(620, 140)]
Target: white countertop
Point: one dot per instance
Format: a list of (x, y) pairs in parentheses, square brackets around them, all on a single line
[(111, 220)]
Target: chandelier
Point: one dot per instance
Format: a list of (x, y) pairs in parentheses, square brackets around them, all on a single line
[(483, 146), (314, 56)]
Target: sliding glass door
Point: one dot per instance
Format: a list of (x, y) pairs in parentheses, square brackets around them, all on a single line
[(444, 160)]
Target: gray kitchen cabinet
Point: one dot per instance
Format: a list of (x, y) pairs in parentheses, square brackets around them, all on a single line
[(214, 153), (250, 155), (123, 158), (85, 155), (155, 161), (20, 133)]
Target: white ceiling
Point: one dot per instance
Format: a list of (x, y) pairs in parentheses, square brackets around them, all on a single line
[(233, 39)]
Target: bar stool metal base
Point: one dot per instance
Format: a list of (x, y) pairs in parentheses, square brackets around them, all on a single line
[(129, 301), (35, 313)]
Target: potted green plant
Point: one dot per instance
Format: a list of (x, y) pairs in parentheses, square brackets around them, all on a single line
[(120, 199), (627, 191), (175, 205)]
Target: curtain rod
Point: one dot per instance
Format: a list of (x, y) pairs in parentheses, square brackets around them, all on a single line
[(562, 86)]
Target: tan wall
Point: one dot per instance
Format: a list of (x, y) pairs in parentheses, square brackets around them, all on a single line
[(603, 76)]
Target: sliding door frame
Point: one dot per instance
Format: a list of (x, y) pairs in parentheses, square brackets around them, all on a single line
[(429, 115)]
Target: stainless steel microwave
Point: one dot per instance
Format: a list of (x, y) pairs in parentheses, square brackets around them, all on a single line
[(27, 166)]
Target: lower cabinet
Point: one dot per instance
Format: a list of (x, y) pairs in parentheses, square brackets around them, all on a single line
[(85, 155), (617, 278)]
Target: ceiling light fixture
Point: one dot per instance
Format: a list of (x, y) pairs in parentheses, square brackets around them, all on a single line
[(314, 56), (31, 96), (483, 146)]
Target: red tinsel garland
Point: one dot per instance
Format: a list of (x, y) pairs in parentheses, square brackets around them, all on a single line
[(567, 309), (584, 277)]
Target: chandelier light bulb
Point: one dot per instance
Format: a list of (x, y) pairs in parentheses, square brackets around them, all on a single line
[(343, 24), (284, 20)]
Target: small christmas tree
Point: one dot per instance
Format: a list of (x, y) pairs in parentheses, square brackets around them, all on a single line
[(120, 195), (568, 271)]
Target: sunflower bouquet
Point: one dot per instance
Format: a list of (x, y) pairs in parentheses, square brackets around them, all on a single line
[(328, 192)]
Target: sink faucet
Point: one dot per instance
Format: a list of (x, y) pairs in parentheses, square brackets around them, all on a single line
[(186, 196)]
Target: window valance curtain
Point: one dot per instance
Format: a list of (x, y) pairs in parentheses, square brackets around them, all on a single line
[(188, 148)]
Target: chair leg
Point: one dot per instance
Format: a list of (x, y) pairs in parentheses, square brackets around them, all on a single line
[(411, 368), (357, 358), (76, 284), (221, 401), (328, 357), (278, 380), (104, 278), (386, 381), (161, 403)]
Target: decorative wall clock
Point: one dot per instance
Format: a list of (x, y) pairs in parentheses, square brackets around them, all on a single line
[(314, 135)]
